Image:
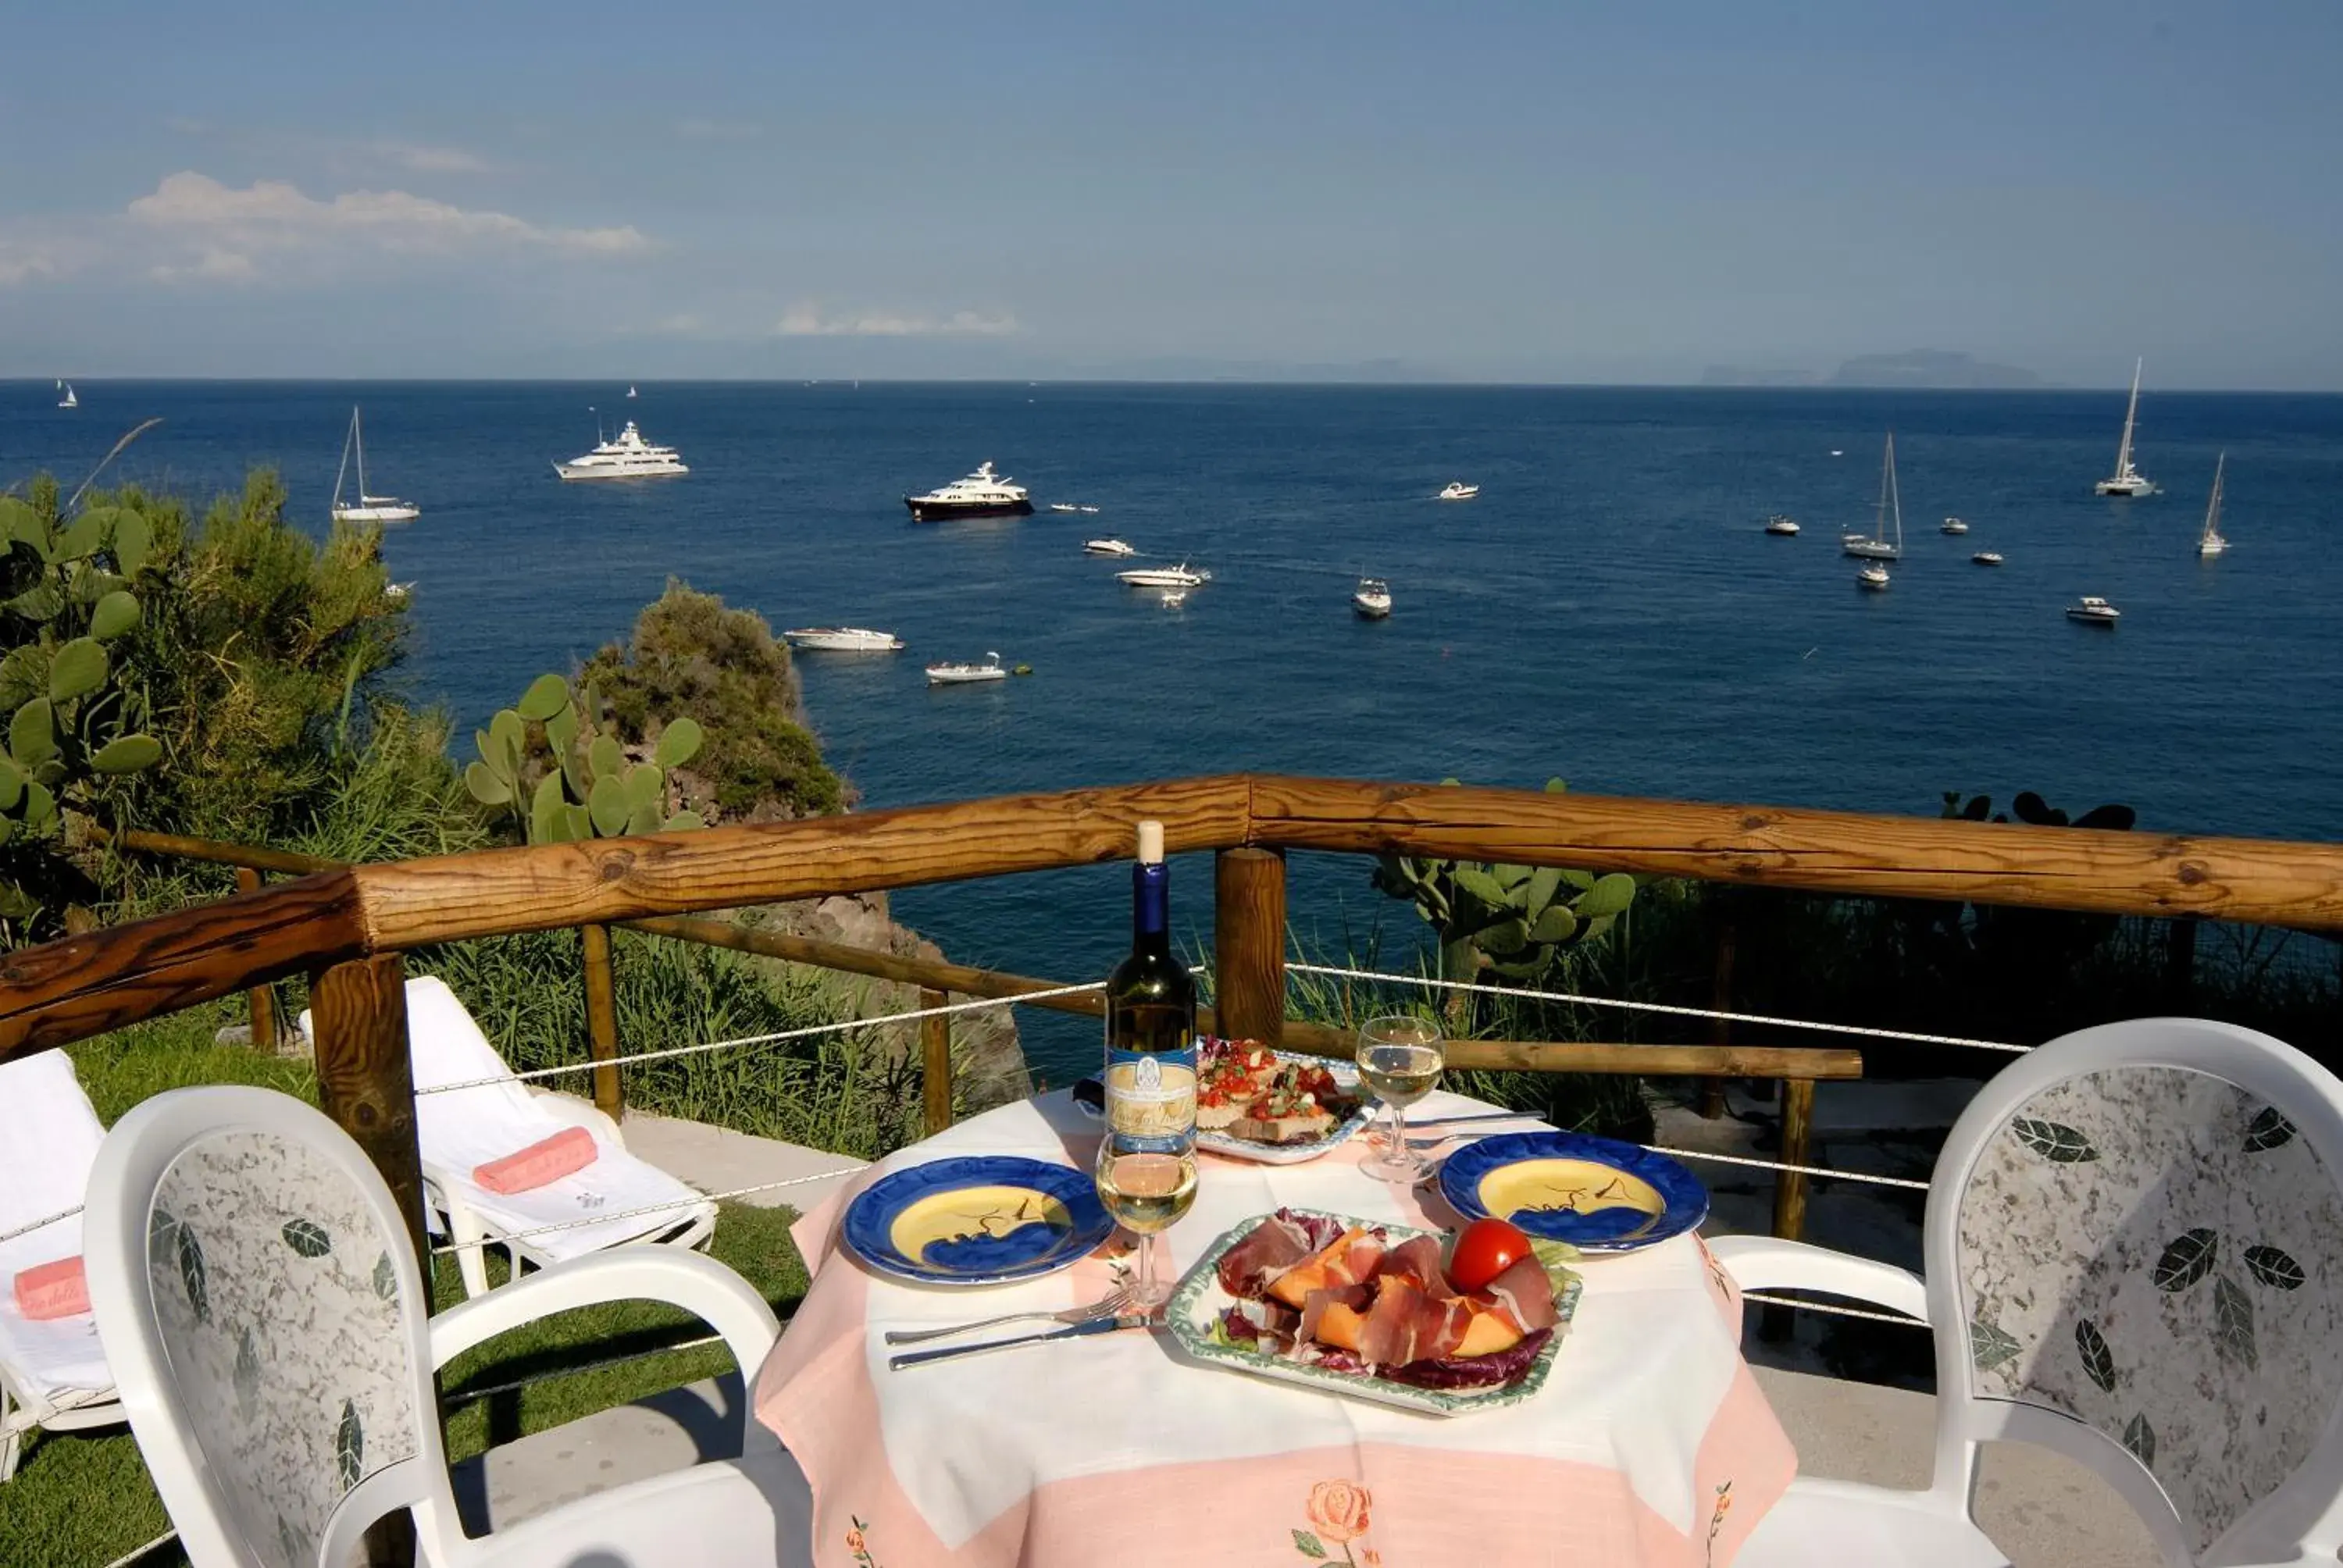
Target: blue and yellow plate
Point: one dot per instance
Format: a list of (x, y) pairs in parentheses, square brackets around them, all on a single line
[(1596, 1193), (976, 1220)]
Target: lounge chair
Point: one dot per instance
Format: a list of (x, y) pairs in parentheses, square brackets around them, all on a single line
[(2134, 1251), (271, 1331), (52, 1372), (466, 1129)]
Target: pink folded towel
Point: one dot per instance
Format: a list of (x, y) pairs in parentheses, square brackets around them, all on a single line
[(569, 1150), (57, 1290)]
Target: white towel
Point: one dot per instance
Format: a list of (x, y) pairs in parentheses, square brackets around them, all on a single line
[(49, 1136), (466, 1128)]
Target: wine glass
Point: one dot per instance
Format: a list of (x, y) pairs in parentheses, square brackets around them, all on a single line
[(1400, 1061), (1147, 1192)]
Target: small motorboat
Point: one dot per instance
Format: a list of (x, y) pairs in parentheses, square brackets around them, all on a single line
[(1953, 525), (1458, 490), (1873, 577), (967, 674), (1786, 527), (842, 640), (1064, 507), (398, 593), (1987, 558), (1091, 509), (1108, 547), (1179, 577), (1373, 601), (2092, 610)]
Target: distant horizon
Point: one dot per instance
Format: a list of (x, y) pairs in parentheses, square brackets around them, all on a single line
[(1298, 383)]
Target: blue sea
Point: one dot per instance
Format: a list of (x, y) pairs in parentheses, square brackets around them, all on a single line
[(1607, 610)]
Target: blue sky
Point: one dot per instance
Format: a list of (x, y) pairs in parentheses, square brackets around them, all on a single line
[(1540, 191)]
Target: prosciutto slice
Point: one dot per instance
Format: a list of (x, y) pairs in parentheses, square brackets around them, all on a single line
[(1349, 1260), (1275, 1246), (1417, 1259), (1525, 1293)]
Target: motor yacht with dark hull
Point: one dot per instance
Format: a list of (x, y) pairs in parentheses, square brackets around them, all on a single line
[(983, 494)]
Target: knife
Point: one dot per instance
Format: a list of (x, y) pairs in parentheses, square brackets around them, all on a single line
[(1095, 1326)]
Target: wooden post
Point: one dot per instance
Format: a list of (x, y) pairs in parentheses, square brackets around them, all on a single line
[(1798, 1148), (260, 998), (367, 1084), (1720, 1031), (1249, 944), (935, 1064), (602, 1022)]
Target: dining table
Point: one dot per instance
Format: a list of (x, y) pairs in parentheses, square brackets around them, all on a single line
[(1649, 1445)]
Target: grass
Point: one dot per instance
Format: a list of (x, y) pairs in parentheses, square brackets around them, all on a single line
[(82, 1500)]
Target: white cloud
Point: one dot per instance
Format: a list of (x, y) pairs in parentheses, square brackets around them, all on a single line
[(230, 231), (22, 263), (808, 320), (429, 160)]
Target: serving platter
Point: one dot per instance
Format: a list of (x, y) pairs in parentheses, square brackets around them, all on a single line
[(1598, 1194), (1345, 1075), (976, 1220), (1193, 1314)]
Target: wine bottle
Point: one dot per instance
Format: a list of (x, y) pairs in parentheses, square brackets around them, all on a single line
[(1151, 1022)]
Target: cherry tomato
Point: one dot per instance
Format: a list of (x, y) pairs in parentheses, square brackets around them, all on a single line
[(1486, 1249)]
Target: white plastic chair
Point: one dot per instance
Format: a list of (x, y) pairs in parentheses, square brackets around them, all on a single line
[(52, 1372), (2134, 1254), (466, 1128), (266, 1324)]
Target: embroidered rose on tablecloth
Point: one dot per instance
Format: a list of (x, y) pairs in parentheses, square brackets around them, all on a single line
[(1339, 1513)]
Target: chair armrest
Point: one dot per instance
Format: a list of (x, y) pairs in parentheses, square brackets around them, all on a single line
[(701, 1286), (1770, 1264)]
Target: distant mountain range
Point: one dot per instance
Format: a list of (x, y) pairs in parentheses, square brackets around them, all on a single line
[(1931, 368)]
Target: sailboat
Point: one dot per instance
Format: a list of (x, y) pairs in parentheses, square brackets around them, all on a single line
[(370, 509), (630, 389), (2210, 543), (2127, 480), (1876, 546), (68, 400)]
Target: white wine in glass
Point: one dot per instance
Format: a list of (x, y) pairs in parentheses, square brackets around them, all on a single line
[(1146, 1192), (1400, 1061)]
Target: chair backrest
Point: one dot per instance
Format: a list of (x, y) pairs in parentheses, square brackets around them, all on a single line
[(263, 1314), (49, 1137), (2135, 1243)]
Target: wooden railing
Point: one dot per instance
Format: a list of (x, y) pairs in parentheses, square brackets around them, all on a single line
[(346, 926)]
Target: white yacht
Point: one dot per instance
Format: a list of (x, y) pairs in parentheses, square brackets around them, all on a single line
[(1179, 577), (1953, 525), (1875, 545), (1987, 558), (1873, 576), (2210, 543), (1373, 601), (2127, 480), (68, 400), (628, 457), (842, 640), (967, 674), (1458, 490), (1108, 547), (983, 494), (369, 508), (1785, 527), (2092, 610)]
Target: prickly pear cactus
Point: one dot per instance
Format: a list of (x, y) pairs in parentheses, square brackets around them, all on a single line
[(68, 591), (548, 760), (1510, 921)]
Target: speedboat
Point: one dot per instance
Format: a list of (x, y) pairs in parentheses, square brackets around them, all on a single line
[(1873, 577), (1458, 490), (1064, 507), (842, 639), (983, 494), (625, 457), (2127, 480), (1179, 577), (1372, 599), (1108, 547), (967, 674), (369, 508), (1987, 558), (1785, 526), (2092, 610), (1953, 525)]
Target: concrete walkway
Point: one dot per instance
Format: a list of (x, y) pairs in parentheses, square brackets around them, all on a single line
[(2043, 1511)]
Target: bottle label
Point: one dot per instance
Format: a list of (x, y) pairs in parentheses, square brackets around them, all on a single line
[(1150, 1098)]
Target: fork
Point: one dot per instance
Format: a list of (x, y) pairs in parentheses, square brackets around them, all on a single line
[(1104, 1307)]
